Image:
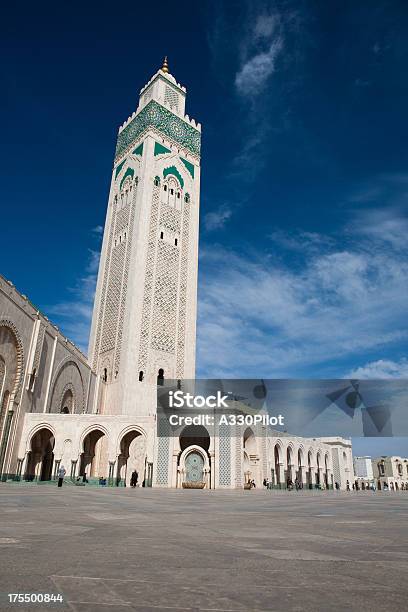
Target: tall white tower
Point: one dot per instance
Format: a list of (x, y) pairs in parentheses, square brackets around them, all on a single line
[(144, 318)]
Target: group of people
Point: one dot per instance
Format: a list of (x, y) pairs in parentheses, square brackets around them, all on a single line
[(371, 486), (290, 485), (82, 480)]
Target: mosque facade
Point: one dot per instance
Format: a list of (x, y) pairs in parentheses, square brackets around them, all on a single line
[(97, 415)]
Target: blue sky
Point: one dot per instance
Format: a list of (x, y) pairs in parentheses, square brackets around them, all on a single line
[(303, 239)]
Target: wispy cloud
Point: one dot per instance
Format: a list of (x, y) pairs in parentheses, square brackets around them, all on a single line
[(253, 38), (301, 241), (255, 72), (97, 230), (217, 219)]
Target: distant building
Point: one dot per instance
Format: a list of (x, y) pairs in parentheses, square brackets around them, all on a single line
[(391, 471), (363, 468)]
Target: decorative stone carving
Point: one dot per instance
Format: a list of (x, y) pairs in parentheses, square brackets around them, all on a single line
[(154, 116)]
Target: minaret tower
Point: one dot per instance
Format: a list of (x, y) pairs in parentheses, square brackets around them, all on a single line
[(144, 318)]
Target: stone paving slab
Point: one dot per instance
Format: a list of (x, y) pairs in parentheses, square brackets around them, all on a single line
[(156, 549)]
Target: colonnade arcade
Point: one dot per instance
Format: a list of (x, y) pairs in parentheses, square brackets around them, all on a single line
[(93, 460), (309, 468)]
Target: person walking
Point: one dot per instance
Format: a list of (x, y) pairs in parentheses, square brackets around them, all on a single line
[(133, 479), (61, 473)]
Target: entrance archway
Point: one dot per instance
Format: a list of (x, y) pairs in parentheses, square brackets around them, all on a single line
[(94, 458), (132, 457), (41, 456), (194, 460), (251, 471)]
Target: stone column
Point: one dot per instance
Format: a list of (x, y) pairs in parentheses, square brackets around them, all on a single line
[(111, 472), (302, 475), (73, 468), (281, 479), (19, 468), (56, 468)]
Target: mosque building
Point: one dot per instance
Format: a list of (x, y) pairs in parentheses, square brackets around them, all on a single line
[(97, 415)]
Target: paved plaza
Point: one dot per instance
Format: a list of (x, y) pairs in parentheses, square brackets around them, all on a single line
[(153, 549)]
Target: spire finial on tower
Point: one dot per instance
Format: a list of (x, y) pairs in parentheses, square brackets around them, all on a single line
[(165, 67)]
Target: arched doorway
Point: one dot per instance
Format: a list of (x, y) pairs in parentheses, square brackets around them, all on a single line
[(67, 404), (309, 475), (326, 471), (41, 457), (318, 470), (94, 458), (299, 474), (277, 476), (132, 457), (251, 468), (289, 466), (194, 461)]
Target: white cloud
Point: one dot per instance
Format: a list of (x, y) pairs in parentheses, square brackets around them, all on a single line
[(98, 230), (256, 70), (382, 368), (383, 226), (265, 26), (217, 219), (257, 318), (301, 241)]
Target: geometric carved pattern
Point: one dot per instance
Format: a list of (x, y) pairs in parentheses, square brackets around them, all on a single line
[(148, 281), (163, 447), (154, 116), (336, 465), (104, 286), (224, 456), (14, 391), (125, 277), (116, 271), (38, 348), (170, 218), (165, 298), (238, 456), (171, 98), (181, 328), (111, 309)]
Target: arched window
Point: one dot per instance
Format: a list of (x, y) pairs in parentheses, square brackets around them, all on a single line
[(165, 187), (160, 377), (105, 375), (157, 181), (141, 375), (65, 410), (187, 198)]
